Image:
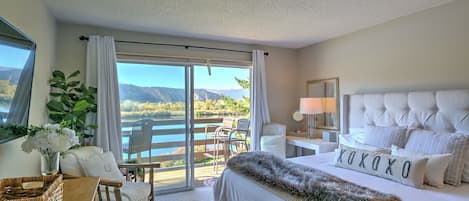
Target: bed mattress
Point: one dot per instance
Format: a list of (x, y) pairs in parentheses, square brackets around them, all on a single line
[(236, 187)]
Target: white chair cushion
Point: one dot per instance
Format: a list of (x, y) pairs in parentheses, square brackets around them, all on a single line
[(275, 144), (130, 191), (102, 165), (136, 191), (69, 162)]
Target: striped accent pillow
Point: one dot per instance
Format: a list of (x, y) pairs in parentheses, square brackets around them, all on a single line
[(440, 143), (385, 136)]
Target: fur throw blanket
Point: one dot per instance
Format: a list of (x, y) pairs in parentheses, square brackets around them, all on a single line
[(306, 182)]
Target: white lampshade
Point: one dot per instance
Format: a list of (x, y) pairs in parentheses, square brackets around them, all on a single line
[(330, 105), (311, 105)]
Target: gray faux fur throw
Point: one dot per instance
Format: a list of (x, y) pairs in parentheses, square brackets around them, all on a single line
[(305, 182)]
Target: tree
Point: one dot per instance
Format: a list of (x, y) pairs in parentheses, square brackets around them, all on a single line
[(244, 83)]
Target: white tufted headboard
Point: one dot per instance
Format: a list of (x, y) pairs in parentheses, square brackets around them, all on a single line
[(446, 111)]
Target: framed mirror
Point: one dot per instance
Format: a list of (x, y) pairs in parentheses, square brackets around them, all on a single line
[(328, 89), (17, 55)]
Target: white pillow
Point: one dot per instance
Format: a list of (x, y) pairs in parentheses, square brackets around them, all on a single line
[(436, 165), (70, 164), (405, 170), (385, 136), (350, 141), (358, 134), (430, 142), (102, 165)]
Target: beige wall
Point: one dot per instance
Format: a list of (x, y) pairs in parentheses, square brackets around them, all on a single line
[(427, 50), (280, 64), (33, 18)]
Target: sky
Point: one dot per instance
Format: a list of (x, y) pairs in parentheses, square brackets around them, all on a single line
[(151, 75), (12, 56)]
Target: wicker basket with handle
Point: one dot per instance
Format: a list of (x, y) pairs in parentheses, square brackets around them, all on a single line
[(11, 189)]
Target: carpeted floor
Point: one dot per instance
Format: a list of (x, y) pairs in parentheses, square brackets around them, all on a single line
[(204, 193)]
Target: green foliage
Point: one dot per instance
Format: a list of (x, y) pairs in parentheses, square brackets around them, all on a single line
[(242, 105), (244, 83), (12, 130), (7, 91), (133, 109), (71, 102), (227, 106)]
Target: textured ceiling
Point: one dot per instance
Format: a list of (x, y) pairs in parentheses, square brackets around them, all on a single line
[(282, 23)]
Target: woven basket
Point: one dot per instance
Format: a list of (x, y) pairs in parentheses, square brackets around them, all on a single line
[(11, 189)]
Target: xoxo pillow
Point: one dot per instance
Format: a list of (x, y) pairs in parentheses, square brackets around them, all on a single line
[(405, 170)]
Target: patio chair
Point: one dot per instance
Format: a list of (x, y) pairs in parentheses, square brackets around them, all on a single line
[(140, 140), (237, 136), (220, 131)]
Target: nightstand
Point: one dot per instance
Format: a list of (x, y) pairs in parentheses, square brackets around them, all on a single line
[(317, 145)]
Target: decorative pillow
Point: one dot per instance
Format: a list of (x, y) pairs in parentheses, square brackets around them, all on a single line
[(385, 136), (436, 165), (440, 143), (102, 165), (70, 164), (346, 141), (465, 174), (408, 171), (358, 134)]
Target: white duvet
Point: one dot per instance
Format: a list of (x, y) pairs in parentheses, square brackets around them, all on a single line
[(235, 187)]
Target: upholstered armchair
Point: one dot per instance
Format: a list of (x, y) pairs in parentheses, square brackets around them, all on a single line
[(117, 182), (273, 139)]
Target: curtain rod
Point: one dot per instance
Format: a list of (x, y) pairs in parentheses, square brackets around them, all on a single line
[(177, 45)]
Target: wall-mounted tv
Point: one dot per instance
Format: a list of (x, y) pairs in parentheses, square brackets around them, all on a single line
[(17, 55)]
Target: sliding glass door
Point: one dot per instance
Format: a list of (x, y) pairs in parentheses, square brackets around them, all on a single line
[(169, 114), (156, 112)]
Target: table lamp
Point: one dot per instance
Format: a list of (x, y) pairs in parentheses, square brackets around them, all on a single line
[(309, 107)]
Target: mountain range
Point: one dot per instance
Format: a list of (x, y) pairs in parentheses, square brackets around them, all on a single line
[(10, 74), (165, 94), (233, 93)]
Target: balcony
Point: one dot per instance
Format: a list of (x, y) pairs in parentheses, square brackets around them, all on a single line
[(167, 145)]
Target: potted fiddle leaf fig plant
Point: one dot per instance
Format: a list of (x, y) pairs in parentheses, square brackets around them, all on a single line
[(71, 103)]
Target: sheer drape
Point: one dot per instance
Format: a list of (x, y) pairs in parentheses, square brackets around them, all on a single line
[(19, 109), (259, 105), (101, 72)]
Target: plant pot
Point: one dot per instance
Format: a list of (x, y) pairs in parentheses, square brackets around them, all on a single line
[(49, 163)]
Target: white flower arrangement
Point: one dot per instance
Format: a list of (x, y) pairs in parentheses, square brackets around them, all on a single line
[(50, 138)]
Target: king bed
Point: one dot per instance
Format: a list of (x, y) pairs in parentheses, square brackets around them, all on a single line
[(434, 111)]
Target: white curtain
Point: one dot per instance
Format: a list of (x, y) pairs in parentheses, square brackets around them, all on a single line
[(101, 72), (259, 106)]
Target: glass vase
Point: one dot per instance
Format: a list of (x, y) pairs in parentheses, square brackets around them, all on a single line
[(49, 163)]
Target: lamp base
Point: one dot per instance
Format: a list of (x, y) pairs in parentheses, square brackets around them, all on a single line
[(311, 125)]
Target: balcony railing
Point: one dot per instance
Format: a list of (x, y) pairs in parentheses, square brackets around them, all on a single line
[(142, 136)]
